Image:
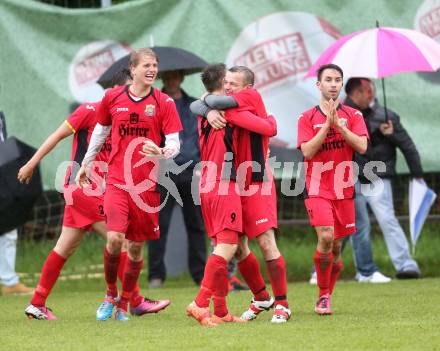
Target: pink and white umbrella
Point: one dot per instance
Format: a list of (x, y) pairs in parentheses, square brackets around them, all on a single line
[(381, 52)]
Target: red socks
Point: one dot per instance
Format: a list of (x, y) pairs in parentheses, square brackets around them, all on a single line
[(277, 275), (136, 298), (207, 286), (323, 266), (131, 275), (111, 264), (336, 269), (220, 288), (49, 275), (215, 284), (250, 270)]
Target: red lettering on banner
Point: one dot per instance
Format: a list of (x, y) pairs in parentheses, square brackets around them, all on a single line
[(91, 68), (430, 23), (276, 59)]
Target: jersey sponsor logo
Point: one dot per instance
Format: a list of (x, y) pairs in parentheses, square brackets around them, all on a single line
[(262, 220), (150, 110), (350, 225), (127, 130), (134, 118), (332, 145), (319, 125), (122, 109)]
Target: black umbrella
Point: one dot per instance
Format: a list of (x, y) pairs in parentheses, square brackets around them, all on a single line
[(170, 59), (16, 200)]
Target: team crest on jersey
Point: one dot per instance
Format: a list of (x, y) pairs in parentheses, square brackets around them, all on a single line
[(149, 110), (134, 118)]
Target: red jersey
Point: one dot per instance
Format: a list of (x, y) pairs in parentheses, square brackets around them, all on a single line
[(82, 122), (251, 146), (217, 148), (133, 122), (330, 181)]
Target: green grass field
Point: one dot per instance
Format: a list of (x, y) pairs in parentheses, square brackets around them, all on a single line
[(402, 315)]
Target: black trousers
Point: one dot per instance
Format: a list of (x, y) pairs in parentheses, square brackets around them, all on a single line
[(192, 216)]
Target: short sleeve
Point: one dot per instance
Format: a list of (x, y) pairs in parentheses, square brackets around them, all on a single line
[(305, 130), (80, 118), (170, 118), (358, 126), (250, 99), (103, 113)]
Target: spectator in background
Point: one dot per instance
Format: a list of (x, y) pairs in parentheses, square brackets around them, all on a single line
[(8, 248), (189, 151), (385, 135)]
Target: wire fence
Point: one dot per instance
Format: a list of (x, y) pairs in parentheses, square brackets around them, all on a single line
[(46, 218)]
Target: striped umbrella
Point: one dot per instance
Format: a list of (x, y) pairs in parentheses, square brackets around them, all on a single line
[(381, 52)]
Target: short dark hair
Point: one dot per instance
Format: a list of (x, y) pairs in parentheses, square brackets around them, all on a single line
[(249, 76), (212, 76), (354, 84), (328, 66), (120, 78)]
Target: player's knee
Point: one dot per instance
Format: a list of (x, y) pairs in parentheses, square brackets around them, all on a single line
[(114, 242), (241, 253), (135, 250), (268, 245), (325, 238)]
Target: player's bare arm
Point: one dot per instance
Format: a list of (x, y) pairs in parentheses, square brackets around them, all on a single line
[(171, 148), (25, 173), (311, 147), (357, 142)]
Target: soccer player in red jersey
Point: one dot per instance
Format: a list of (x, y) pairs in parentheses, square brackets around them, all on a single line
[(258, 199), (139, 118), (220, 199), (82, 211), (328, 136)]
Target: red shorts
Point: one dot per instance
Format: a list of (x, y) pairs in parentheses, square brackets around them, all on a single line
[(221, 209), (83, 210), (226, 237), (133, 218), (338, 214), (259, 209)]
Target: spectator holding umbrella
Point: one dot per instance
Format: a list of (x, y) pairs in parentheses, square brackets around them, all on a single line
[(8, 247), (386, 135)]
